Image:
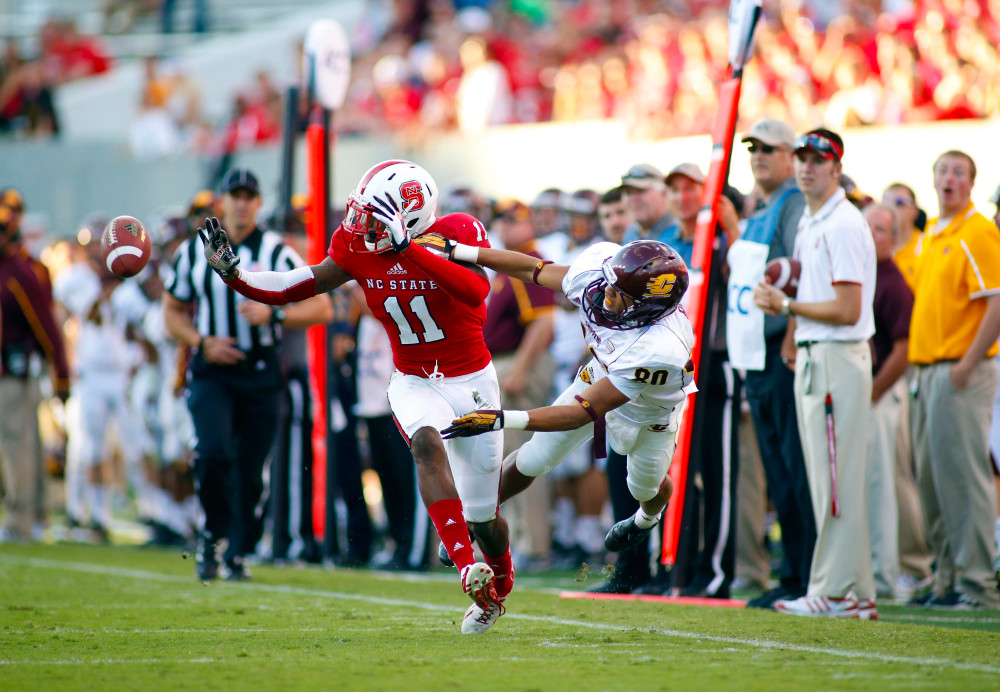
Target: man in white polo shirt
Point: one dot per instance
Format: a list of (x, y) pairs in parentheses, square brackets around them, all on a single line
[(831, 320)]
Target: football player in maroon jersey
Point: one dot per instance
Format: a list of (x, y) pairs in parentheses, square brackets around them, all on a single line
[(433, 311)]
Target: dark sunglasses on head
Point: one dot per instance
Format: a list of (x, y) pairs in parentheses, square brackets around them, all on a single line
[(638, 173), (762, 148), (823, 146)]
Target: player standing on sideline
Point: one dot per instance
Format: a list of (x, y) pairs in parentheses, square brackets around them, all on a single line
[(639, 376), (433, 311)]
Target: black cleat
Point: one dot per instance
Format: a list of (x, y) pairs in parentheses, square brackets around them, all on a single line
[(625, 534), (443, 552), (443, 556), (207, 560), (236, 570)]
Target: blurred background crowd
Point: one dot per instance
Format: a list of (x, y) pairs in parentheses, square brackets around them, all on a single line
[(426, 66)]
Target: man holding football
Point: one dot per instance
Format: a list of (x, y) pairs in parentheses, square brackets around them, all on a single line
[(634, 386), (433, 311)]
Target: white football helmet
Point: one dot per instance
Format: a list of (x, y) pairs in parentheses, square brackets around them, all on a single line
[(410, 187)]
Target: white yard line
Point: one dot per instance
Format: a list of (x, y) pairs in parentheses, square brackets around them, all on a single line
[(752, 642)]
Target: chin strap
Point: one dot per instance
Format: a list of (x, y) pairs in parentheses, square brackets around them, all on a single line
[(600, 429)]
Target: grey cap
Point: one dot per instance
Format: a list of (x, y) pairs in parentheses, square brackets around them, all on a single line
[(643, 176), (688, 170), (775, 133)]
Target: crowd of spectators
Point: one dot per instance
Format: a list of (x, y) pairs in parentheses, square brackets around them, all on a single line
[(27, 107), (656, 65), (427, 66)]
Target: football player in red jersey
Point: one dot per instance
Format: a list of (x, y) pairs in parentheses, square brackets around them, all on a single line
[(433, 311)]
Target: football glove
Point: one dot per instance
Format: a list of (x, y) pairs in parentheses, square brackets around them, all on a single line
[(485, 418), (386, 211), (218, 252), (437, 244)]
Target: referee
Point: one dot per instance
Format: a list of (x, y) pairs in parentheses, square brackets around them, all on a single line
[(234, 377)]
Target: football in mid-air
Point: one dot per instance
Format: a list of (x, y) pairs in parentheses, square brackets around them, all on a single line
[(125, 246), (783, 273)]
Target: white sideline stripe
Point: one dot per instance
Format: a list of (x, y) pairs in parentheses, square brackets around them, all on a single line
[(275, 588)]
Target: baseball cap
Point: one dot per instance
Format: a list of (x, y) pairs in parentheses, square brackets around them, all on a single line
[(775, 133), (241, 179), (688, 170), (12, 198), (512, 210), (203, 200), (643, 176), (826, 143)]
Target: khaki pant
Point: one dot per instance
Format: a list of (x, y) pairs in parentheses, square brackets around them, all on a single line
[(950, 431), (528, 513), (883, 515), (842, 559), (753, 561), (914, 555), (21, 458)]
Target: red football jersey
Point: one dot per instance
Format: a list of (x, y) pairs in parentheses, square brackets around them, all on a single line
[(430, 330)]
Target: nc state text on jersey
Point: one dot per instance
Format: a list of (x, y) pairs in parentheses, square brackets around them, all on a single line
[(401, 284)]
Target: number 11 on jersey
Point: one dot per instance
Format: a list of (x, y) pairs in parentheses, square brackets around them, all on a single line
[(418, 306)]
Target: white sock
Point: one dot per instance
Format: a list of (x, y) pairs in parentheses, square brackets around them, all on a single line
[(645, 521), (99, 510), (563, 520), (590, 532)]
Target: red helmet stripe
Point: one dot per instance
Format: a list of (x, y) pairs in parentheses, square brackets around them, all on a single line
[(376, 169)]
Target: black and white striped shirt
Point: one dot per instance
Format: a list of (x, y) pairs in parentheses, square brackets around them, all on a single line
[(215, 302)]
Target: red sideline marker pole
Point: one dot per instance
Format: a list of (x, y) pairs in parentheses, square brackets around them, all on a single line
[(743, 17), (319, 202), (326, 62)]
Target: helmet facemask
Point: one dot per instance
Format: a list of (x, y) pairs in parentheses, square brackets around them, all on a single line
[(369, 234)]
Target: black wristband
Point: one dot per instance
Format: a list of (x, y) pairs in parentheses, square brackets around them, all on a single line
[(277, 315)]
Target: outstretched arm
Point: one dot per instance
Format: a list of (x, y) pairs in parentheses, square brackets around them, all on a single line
[(270, 288), (514, 264), (595, 401)]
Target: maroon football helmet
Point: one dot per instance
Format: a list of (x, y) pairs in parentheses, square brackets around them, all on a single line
[(650, 273)]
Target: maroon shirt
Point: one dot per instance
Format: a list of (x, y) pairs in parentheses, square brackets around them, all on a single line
[(28, 325), (893, 305), (512, 305)]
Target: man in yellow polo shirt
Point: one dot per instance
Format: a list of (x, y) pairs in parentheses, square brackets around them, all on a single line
[(953, 341)]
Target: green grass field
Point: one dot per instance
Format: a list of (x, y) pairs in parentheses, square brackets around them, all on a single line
[(95, 618)]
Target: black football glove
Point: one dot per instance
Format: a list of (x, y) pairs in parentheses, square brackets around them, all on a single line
[(218, 252)]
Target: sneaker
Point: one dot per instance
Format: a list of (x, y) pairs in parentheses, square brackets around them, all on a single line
[(477, 581), (908, 585), (207, 560), (625, 534), (867, 609), (235, 570), (922, 599), (820, 606), (478, 620), (955, 601)]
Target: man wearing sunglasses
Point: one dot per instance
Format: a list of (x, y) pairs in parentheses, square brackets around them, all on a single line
[(754, 341), (902, 198), (831, 321), (953, 343)]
